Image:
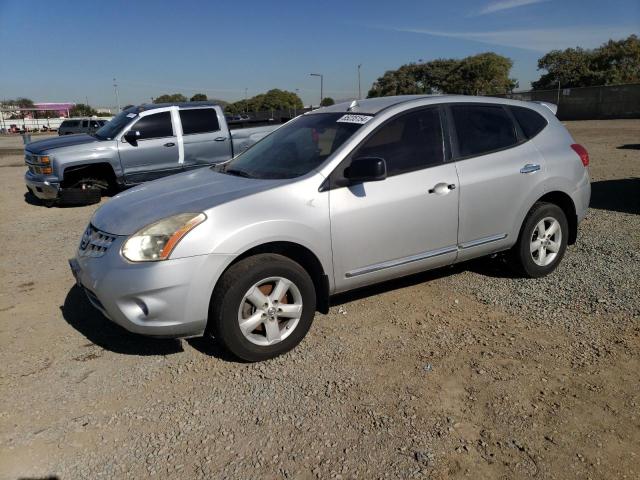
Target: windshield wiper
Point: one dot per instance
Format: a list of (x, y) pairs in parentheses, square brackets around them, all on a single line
[(237, 173)]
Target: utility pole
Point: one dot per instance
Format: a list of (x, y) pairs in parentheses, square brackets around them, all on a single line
[(359, 90), (321, 84), (246, 101), (115, 89), (558, 101), (295, 108)]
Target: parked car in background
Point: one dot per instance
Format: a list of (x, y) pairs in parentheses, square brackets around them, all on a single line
[(336, 199), (80, 125), (139, 144)]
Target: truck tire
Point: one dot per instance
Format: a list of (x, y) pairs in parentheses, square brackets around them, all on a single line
[(262, 307), (85, 191)]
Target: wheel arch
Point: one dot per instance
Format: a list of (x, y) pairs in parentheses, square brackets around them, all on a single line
[(99, 169), (301, 255), (565, 202)]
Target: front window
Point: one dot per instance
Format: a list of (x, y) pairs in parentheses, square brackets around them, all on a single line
[(110, 129), (296, 148)]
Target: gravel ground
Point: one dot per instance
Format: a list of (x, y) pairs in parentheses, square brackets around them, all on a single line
[(461, 372)]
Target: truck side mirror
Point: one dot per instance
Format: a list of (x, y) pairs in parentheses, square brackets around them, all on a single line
[(366, 169), (132, 137)]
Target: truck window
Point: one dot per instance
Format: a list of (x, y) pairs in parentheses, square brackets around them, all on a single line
[(85, 124), (199, 120), (157, 125)]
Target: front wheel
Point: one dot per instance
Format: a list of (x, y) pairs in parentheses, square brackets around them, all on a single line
[(263, 306), (542, 241)]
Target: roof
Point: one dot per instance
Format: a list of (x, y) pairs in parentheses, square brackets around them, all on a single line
[(373, 106), (153, 106)]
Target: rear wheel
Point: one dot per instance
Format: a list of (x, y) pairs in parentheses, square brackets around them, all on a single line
[(262, 307), (542, 241)]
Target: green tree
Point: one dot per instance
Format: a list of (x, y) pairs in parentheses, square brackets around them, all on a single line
[(23, 102), (274, 99), (485, 73), (170, 98), (82, 110), (327, 101), (612, 63), (198, 97)]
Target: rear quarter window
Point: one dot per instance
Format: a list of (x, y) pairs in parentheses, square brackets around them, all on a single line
[(531, 122)]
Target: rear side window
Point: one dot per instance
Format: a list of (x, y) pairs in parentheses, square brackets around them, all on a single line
[(70, 123), (199, 120), (482, 129), (85, 123), (530, 122), (157, 125), (412, 141)]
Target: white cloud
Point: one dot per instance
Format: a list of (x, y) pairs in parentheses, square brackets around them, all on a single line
[(506, 5), (538, 40)]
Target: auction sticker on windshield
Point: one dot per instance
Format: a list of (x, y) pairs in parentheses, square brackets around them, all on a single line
[(351, 118)]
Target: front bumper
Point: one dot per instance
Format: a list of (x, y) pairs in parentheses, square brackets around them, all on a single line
[(161, 299), (43, 189)]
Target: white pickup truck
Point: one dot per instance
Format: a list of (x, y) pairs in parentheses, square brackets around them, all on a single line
[(139, 144)]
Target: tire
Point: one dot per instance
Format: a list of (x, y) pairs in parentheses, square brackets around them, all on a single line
[(84, 191), (240, 296), (532, 262)]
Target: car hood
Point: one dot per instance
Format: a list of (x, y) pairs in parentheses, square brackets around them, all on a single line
[(42, 146), (194, 191)]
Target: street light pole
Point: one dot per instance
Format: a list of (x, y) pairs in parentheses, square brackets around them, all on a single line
[(359, 90), (115, 89), (321, 84)]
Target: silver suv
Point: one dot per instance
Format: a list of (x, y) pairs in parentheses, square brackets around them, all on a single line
[(336, 199)]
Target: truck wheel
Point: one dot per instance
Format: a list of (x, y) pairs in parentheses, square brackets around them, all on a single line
[(542, 241), (263, 306), (85, 191)]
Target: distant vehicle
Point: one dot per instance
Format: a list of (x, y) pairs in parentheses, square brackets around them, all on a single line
[(336, 199), (80, 125), (139, 144)]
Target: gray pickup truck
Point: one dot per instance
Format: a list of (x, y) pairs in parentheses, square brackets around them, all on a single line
[(139, 144)]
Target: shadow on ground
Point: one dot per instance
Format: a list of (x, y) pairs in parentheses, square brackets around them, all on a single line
[(81, 315), (621, 195), (629, 146)]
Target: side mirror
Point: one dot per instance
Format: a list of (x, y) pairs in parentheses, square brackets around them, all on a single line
[(132, 137), (366, 169)]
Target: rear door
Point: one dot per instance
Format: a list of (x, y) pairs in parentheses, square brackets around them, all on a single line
[(498, 171), (205, 137), (155, 153)]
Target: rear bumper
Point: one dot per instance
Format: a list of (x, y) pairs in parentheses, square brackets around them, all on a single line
[(42, 189), (582, 197)]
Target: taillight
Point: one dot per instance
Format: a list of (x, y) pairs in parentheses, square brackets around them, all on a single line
[(582, 153)]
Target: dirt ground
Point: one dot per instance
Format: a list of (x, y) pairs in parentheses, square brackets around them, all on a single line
[(465, 372)]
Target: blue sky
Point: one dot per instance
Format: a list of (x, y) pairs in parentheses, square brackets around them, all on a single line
[(69, 50)]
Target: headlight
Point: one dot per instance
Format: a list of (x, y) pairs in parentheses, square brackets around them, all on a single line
[(156, 241)]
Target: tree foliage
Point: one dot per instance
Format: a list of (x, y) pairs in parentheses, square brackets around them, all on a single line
[(198, 97), (82, 110), (274, 99), (326, 101), (484, 74), (614, 62), (170, 98)]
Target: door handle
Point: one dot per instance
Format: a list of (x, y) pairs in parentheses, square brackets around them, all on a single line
[(442, 188), (170, 144), (220, 139), (530, 168)]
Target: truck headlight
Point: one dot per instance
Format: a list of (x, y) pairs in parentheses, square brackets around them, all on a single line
[(156, 241)]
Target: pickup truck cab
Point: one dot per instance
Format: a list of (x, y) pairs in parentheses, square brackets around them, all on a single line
[(139, 144)]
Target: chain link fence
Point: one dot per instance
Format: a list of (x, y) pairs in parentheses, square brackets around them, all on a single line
[(588, 103)]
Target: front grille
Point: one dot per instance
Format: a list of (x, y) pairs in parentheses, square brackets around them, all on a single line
[(95, 243)]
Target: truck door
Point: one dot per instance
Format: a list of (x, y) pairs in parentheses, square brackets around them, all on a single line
[(205, 137), (152, 152)]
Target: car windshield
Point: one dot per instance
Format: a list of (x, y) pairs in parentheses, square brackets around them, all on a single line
[(297, 147), (110, 129)]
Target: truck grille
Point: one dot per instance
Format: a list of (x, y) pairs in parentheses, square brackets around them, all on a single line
[(95, 243)]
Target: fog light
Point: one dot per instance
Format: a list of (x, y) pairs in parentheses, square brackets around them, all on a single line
[(46, 170)]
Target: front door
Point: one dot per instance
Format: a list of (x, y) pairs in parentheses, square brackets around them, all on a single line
[(154, 154), (405, 223)]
